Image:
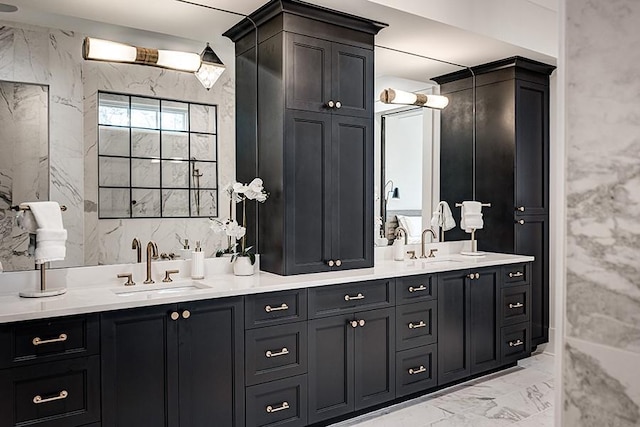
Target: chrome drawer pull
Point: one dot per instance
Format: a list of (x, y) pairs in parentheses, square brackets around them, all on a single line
[(518, 305), (269, 309), (350, 298), (516, 343), (414, 371), (417, 325), (516, 274), (271, 409), (282, 352), (62, 395), (40, 341), (418, 289)]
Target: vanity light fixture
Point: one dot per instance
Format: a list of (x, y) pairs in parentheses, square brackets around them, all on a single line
[(106, 50), (393, 96), (211, 68)]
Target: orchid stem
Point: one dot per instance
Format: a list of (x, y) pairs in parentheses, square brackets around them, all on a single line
[(244, 223)]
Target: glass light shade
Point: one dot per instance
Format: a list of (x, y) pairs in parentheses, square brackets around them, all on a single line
[(211, 68), (105, 50), (181, 61), (393, 96)]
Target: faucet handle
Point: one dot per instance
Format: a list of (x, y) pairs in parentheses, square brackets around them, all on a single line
[(413, 254), (167, 275), (129, 278), (432, 253)]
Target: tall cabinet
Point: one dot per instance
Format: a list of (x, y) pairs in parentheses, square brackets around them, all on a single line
[(305, 126), (508, 166)]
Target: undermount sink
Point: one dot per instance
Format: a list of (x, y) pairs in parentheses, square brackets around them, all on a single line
[(429, 262), (160, 289)]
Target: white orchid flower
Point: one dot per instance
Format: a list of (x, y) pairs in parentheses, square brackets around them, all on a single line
[(217, 226), (235, 230), (239, 188), (255, 191)]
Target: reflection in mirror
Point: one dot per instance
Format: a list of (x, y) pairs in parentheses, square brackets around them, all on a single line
[(24, 163), (407, 143)]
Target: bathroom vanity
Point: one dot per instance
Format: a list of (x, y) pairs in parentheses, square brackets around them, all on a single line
[(260, 350)]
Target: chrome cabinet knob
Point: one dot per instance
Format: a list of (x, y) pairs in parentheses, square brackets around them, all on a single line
[(521, 222), (175, 315), (331, 263), (338, 263), (520, 208), (477, 275), (186, 314), (338, 104), (361, 322), (331, 104), (470, 276), (354, 323)]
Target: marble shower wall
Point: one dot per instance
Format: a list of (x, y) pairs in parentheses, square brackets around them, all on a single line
[(51, 57), (601, 351), (113, 236)]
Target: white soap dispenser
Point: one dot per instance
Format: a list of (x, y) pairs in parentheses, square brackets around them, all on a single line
[(399, 244), (185, 252), (197, 263)]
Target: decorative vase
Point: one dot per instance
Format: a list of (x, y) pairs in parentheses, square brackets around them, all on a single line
[(242, 266)]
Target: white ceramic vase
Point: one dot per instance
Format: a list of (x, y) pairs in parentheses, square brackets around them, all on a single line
[(242, 266)]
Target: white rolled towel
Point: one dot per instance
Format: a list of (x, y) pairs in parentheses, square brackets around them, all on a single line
[(471, 216), (51, 237), (443, 217)]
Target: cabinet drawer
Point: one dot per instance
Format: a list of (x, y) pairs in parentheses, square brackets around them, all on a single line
[(64, 393), (281, 403), (416, 324), (416, 370), (275, 352), (516, 274), (515, 342), (329, 300), (416, 288), (515, 305), (275, 308), (48, 340)]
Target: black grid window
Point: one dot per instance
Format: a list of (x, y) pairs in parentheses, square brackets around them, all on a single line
[(156, 158)]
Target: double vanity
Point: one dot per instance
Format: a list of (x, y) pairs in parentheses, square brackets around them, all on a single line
[(260, 350)]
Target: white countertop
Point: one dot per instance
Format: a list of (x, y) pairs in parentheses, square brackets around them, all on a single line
[(98, 297)]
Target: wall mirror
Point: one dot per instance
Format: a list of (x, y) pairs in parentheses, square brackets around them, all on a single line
[(407, 138), (24, 163)]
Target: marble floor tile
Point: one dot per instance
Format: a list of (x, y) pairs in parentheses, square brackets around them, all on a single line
[(521, 396)]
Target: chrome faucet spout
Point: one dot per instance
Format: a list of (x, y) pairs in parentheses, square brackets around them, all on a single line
[(152, 252), (433, 235)]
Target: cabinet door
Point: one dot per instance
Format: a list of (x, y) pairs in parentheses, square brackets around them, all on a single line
[(308, 73), (139, 348), (352, 80), (532, 148), (375, 373), (331, 356), (453, 326), (307, 191), (352, 192), (532, 238), (484, 325), (211, 368)]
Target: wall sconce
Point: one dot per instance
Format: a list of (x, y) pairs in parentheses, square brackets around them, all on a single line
[(105, 50), (211, 68), (393, 96)]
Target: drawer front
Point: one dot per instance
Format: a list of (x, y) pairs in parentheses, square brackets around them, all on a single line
[(281, 403), (48, 340), (416, 370), (416, 288), (275, 352), (347, 298), (515, 342), (516, 274), (416, 324), (516, 305), (64, 393), (275, 308)]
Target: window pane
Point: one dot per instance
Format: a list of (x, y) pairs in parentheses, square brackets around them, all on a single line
[(145, 173), (203, 146), (175, 202), (174, 116), (145, 143), (203, 118), (175, 174), (145, 203), (175, 145), (113, 109), (113, 141), (114, 203), (145, 113), (114, 172)]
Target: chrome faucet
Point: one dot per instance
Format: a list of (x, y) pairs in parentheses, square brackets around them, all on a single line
[(433, 234), (135, 244), (152, 252)]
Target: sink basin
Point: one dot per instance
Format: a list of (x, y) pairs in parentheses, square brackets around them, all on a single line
[(160, 289)]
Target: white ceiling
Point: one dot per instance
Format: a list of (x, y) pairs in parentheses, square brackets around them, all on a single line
[(182, 26)]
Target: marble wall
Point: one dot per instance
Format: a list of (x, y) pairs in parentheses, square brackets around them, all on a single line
[(53, 57), (601, 351)]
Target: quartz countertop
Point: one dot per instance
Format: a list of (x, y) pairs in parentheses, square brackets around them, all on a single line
[(99, 297)]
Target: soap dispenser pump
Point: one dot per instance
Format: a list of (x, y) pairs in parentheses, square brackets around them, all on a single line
[(185, 252)]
